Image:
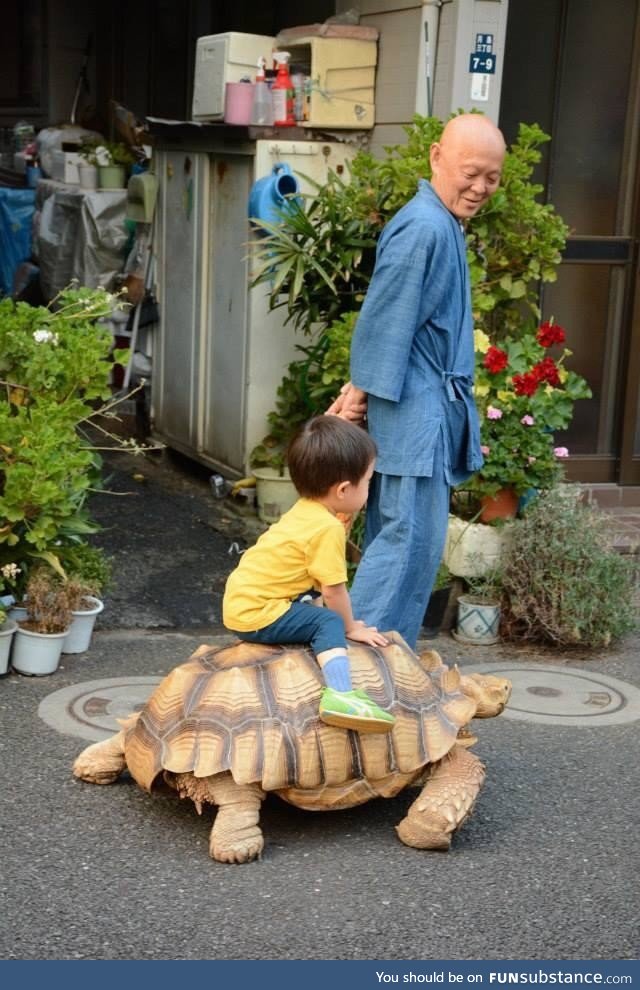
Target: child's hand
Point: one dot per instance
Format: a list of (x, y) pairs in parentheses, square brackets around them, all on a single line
[(366, 634)]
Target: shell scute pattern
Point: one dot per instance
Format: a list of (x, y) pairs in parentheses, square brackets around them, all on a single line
[(253, 710)]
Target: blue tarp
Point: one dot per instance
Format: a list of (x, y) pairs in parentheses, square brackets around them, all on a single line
[(16, 214)]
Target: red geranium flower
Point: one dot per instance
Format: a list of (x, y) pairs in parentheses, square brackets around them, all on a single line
[(546, 371), (495, 360), (550, 334), (526, 384)]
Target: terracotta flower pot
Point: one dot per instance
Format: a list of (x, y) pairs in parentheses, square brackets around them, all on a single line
[(502, 505)]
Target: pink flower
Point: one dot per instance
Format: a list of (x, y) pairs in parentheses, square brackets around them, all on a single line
[(527, 420), (485, 450), (494, 413), (561, 451), (531, 460)]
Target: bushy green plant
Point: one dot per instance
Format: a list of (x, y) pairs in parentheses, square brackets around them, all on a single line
[(562, 581), (55, 366)]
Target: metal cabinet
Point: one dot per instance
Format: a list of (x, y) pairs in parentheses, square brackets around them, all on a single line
[(220, 354)]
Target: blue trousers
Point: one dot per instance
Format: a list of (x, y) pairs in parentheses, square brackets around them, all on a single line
[(303, 623), (405, 533)]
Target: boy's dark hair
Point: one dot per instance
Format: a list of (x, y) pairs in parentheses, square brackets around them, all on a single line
[(325, 451)]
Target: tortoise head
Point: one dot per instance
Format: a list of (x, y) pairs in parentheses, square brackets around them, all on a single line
[(490, 693)]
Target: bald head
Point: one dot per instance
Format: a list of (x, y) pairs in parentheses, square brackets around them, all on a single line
[(466, 163)]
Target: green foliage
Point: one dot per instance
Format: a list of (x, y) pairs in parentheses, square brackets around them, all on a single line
[(55, 366), (562, 582), (88, 566)]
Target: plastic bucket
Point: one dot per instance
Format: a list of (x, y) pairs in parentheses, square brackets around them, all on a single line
[(7, 630)]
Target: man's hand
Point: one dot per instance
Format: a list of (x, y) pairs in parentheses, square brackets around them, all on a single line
[(351, 404), (366, 634)]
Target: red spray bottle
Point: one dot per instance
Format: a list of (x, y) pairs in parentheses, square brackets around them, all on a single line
[(283, 93)]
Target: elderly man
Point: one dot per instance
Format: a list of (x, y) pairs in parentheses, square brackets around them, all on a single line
[(412, 365)]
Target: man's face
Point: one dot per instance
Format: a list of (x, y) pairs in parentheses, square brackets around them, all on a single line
[(465, 175)]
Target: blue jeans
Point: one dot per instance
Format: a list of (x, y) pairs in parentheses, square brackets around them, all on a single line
[(405, 533), (303, 623)]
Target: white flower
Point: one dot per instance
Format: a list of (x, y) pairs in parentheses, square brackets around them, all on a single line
[(45, 337), (10, 571)]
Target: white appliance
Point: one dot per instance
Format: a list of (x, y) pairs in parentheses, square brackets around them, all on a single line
[(223, 58), (220, 353)]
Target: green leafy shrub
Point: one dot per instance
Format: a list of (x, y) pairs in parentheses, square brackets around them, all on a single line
[(562, 581), (55, 368)]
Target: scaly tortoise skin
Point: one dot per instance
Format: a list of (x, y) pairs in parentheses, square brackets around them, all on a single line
[(237, 721)]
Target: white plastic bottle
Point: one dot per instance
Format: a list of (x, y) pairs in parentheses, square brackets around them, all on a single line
[(262, 110)]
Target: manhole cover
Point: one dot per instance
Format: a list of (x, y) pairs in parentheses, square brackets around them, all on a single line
[(90, 709), (563, 695)]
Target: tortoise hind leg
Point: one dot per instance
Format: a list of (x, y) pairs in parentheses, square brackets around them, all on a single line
[(236, 836), (445, 801), (102, 762)]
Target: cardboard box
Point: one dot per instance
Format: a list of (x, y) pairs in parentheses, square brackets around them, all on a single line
[(64, 166)]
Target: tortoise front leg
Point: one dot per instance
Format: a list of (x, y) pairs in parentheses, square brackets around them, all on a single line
[(236, 836), (102, 762), (445, 801)]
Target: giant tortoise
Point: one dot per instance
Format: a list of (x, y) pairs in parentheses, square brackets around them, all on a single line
[(235, 722)]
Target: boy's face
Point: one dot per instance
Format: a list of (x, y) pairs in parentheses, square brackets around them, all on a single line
[(355, 496)]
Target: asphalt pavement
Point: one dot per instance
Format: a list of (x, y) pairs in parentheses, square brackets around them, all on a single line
[(546, 868)]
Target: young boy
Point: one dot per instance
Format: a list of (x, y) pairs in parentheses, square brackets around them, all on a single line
[(268, 598)]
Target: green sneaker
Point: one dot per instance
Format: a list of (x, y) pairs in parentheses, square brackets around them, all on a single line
[(354, 710)]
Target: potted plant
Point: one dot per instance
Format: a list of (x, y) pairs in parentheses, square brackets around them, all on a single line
[(524, 394), (88, 165), (562, 581), (479, 609), (113, 161), (38, 639), (7, 629), (89, 574)]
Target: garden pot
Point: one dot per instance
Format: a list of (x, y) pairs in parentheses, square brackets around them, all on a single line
[(473, 548), (111, 176), (36, 653), (88, 176), (275, 493), (502, 505), (7, 630), (434, 615), (17, 613), (80, 631), (478, 621)]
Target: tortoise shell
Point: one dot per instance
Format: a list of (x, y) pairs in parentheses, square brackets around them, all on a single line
[(253, 710)]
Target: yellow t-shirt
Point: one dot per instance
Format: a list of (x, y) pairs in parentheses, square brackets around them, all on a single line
[(304, 549)]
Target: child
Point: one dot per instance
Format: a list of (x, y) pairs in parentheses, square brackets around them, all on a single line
[(267, 598)]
